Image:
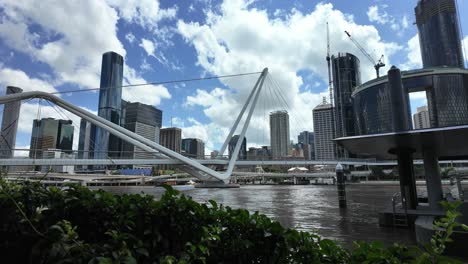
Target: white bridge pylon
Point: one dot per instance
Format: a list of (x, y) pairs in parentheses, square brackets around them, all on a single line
[(191, 166)]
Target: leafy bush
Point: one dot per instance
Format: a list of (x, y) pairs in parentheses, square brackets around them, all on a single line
[(76, 225)]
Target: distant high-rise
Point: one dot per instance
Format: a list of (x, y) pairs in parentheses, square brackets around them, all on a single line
[(323, 129), (279, 133), (85, 146), (421, 118), (243, 150), (110, 105), (306, 140), (194, 148), (143, 120), (49, 133), (10, 117), (439, 33), (171, 138)]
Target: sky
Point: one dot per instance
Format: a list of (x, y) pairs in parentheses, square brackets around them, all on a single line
[(58, 45)]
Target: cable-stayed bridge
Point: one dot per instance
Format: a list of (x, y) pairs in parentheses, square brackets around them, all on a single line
[(204, 169)]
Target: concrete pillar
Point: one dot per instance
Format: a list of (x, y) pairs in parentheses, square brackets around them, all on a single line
[(340, 185), (407, 181), (433, 181)]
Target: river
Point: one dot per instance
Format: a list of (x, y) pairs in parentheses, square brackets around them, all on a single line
[(312, 208)]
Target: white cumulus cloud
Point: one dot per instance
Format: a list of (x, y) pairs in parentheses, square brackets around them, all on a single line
[(238, 38)]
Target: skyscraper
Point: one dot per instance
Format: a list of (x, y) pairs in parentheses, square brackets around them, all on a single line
[(51, 134), (171, 138), (439, 33), (306, 140), (346, 77), (85, 142), (110, 105), (279, 133), (232, 145), (323, 129), (421, 118), (143, 120), (194, 148), (10, 117)]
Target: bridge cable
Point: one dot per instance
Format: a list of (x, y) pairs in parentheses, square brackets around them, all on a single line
[(157, 83)]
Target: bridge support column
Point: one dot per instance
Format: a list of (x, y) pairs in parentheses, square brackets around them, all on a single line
[(407, 181), (433, 181)]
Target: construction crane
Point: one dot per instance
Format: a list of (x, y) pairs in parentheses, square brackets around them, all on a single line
[(377, 65)]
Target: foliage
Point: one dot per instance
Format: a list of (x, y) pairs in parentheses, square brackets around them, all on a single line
[(444, 227), (77, 225)]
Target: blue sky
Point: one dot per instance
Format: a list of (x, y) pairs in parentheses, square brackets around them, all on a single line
[(56, 46)]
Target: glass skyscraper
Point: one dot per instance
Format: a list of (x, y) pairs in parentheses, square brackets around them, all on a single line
[(232, 145), (439, 33), (110, 105), (10, 117), (51, 134)]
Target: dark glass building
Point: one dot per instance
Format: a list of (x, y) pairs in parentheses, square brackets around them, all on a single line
[(439, 33), (447, 96), (346, 76), (144, 120), (243, 149), (51, 134), (194, 148), (110, 105), (10, 117)]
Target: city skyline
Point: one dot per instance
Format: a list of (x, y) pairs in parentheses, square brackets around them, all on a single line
[(193, 106)]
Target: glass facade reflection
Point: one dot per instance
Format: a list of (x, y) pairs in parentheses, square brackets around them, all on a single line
[(110, 105), (49, 133), (439, 34), (346, 76), (446, 91)]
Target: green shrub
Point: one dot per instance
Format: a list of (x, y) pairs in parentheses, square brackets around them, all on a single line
[(76, 225)]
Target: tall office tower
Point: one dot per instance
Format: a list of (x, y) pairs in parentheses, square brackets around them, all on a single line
[(9, 124), (439, 33), (232, 145), (346, 76), (323, 129), (421, 118), (51, 134), (110, 105), (306, 140), (143, 120), (171, 138), (85, 146), (279, 134), (194, 148)]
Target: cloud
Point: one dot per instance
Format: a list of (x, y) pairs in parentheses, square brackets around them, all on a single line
[(147, 94), (146, 13), (18, 78), (148, 46), (229, 43), (465, 48), (130, 37), (375, 15), (378, 15), (60, 35), (413, 57)]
